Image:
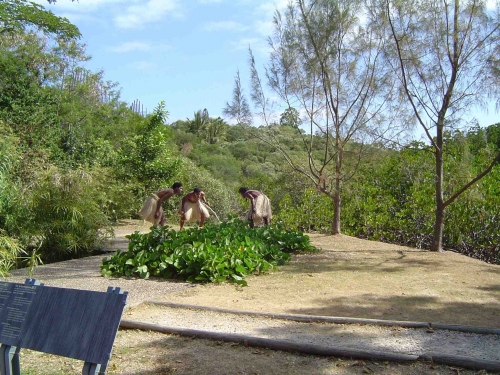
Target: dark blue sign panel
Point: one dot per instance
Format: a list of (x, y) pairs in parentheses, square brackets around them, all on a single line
[(16, 301), (73, 323)]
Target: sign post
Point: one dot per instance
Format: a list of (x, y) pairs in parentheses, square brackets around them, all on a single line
[(73, 323)]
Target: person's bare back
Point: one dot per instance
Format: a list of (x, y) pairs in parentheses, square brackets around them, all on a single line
[(152, 210)]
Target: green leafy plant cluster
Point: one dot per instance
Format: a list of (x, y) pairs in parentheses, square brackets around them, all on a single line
[(215, 253), (63, 218)]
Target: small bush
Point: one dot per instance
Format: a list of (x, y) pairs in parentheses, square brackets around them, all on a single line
[(63, 216), (214, 253)]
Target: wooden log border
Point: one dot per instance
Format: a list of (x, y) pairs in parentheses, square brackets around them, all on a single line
[(271, 344), (318, 350)]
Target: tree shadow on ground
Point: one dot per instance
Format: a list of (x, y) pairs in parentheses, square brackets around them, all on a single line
[(406, 308), (331, 261), (493, 289)]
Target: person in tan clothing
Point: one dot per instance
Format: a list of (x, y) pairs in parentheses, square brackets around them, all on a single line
[(193, 207), (260, 208), (152, 210)]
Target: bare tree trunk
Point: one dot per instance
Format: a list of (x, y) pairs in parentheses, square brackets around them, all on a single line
[(437, 240), (336, 209), (337, 199)]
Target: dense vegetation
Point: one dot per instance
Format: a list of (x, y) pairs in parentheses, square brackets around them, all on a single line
[(75, 159)]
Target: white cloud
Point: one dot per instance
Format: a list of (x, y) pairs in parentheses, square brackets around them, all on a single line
[(83, 6), (138, 46), (146, 12), (491, 4), (225, 26), (209, 1), (131, 46), (269, 7), (265, 28), (142, 65), (244, 43), (265, 14)]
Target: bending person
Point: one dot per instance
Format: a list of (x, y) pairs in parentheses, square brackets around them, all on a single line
[(193, 207), (152, 210), (260, 208)]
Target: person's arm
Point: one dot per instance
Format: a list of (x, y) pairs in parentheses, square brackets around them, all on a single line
[(157, 212), (250, 196), (252, 199), (158, 205), (203, 198), (181, 209)]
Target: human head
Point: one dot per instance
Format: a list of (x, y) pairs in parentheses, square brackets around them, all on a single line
[(177, 187), (243, 190), (197, 190)]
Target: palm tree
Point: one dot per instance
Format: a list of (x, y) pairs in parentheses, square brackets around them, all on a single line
[(215, 130), (199, 122)]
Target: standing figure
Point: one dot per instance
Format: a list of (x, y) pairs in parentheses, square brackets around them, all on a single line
[(260, 209), (152, 210), (193, 207)]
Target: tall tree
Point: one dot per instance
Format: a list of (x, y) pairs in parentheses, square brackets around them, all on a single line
[(37, 79), (238, 109), (327, 64), (290, 117), (212, 130), (444, 52), (16, 15)]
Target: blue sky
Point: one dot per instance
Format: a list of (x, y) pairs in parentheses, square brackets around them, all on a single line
[(185, 53)]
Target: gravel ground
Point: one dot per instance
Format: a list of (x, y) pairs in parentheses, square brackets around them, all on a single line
[(85, 274), (349, 336)]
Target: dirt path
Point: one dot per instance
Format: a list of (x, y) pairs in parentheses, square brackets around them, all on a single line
[(355, 278)]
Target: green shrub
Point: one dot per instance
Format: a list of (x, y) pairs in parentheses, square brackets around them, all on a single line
[(214, 253), (313, 212), (62, 215), (10, 250)]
